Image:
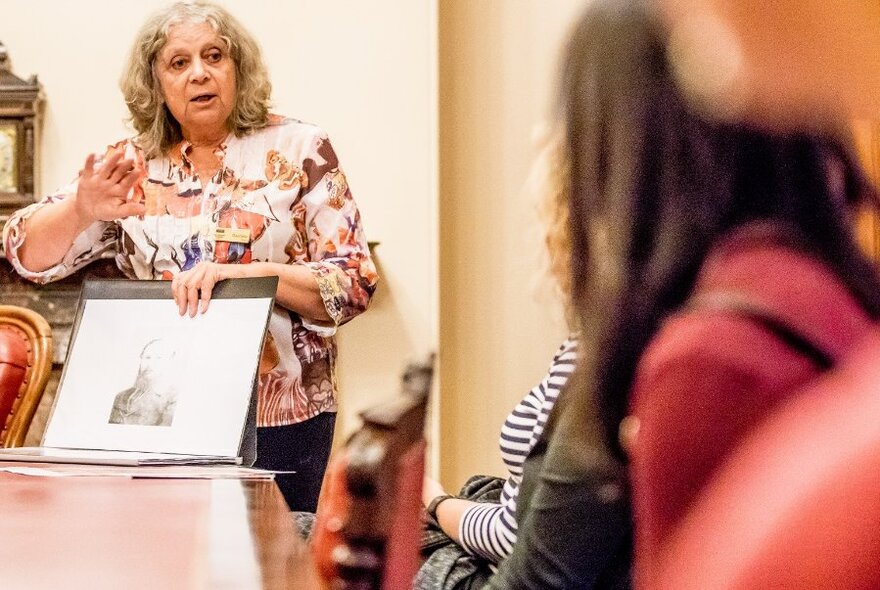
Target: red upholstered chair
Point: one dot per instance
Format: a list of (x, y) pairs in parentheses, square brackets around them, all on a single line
[(368, 526), (734, 443), (797, 505), (25, 363)]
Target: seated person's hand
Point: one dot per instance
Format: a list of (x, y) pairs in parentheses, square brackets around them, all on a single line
[(102, 193), (431, 488)]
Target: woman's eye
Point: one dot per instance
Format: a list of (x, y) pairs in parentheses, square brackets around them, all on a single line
[(214, 57), (178, 63)]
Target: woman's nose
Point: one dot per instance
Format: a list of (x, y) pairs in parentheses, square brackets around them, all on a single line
[(198, 72)]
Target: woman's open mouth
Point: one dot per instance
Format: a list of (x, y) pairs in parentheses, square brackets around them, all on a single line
[(203, 98)]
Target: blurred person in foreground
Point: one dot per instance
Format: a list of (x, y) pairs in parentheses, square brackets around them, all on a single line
[(213, 186), (656, 186), (789, 64)]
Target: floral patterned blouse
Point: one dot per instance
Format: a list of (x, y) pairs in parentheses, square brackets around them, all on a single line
[(282, 188)]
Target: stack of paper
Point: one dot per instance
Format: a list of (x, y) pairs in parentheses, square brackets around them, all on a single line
[(105, 457), (149, 472)]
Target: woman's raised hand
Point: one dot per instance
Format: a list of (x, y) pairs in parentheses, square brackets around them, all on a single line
[(102, 193)]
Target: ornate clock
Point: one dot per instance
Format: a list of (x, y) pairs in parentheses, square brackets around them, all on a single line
[(19, 126)]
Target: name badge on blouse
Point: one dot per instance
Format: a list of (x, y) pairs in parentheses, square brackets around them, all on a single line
[(232, 234)]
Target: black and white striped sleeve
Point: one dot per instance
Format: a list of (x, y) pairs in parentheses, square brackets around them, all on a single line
[(489, 529)]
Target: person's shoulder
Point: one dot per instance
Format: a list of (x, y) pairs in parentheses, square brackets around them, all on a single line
[(294, 127), (567, 352), (127, 146), (297, 140), (570, 345)]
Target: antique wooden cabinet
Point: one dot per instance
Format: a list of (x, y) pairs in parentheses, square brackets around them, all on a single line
[(20, 103)]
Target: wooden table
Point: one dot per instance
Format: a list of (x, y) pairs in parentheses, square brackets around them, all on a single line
[(114, 533)]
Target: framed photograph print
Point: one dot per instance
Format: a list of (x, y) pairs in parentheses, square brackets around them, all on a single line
[(143, 384)]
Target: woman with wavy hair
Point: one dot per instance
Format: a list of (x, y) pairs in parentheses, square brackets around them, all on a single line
[(467, 535), (214, 186)]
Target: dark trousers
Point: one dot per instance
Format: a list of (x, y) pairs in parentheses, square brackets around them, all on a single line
[(303, 448)]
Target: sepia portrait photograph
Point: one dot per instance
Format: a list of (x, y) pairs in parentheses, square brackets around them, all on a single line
[(151, 399)]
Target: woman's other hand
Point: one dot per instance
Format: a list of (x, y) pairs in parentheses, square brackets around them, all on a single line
[(192, 288), (102, 193), (449, 511)]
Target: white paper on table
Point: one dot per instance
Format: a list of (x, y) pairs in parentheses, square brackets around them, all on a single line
[(164, 472), (34, 471)]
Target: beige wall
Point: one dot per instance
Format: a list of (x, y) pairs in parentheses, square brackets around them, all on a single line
[(499, 325), (365, 71)]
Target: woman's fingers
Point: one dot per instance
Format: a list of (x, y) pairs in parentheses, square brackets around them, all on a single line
[(207, 289), (192, 300), (109, 166), (119, 171), (130, 178), (89, 167), (179, 290), (120, 194), (175, 287), (130, 209), (123, 187), (103, 191), (192, 289)]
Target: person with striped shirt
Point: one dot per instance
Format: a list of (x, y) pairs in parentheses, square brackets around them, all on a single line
[(488, 529)]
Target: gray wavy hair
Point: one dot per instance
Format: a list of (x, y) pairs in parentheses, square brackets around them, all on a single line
[(157, 129)]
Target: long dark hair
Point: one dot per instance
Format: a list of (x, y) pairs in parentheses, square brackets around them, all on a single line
[(654, 184)]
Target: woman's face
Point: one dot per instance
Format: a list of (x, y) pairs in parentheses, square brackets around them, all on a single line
[(197, 76)]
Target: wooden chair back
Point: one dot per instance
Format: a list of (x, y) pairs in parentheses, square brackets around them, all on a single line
[(25, 364), (369, 526)]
